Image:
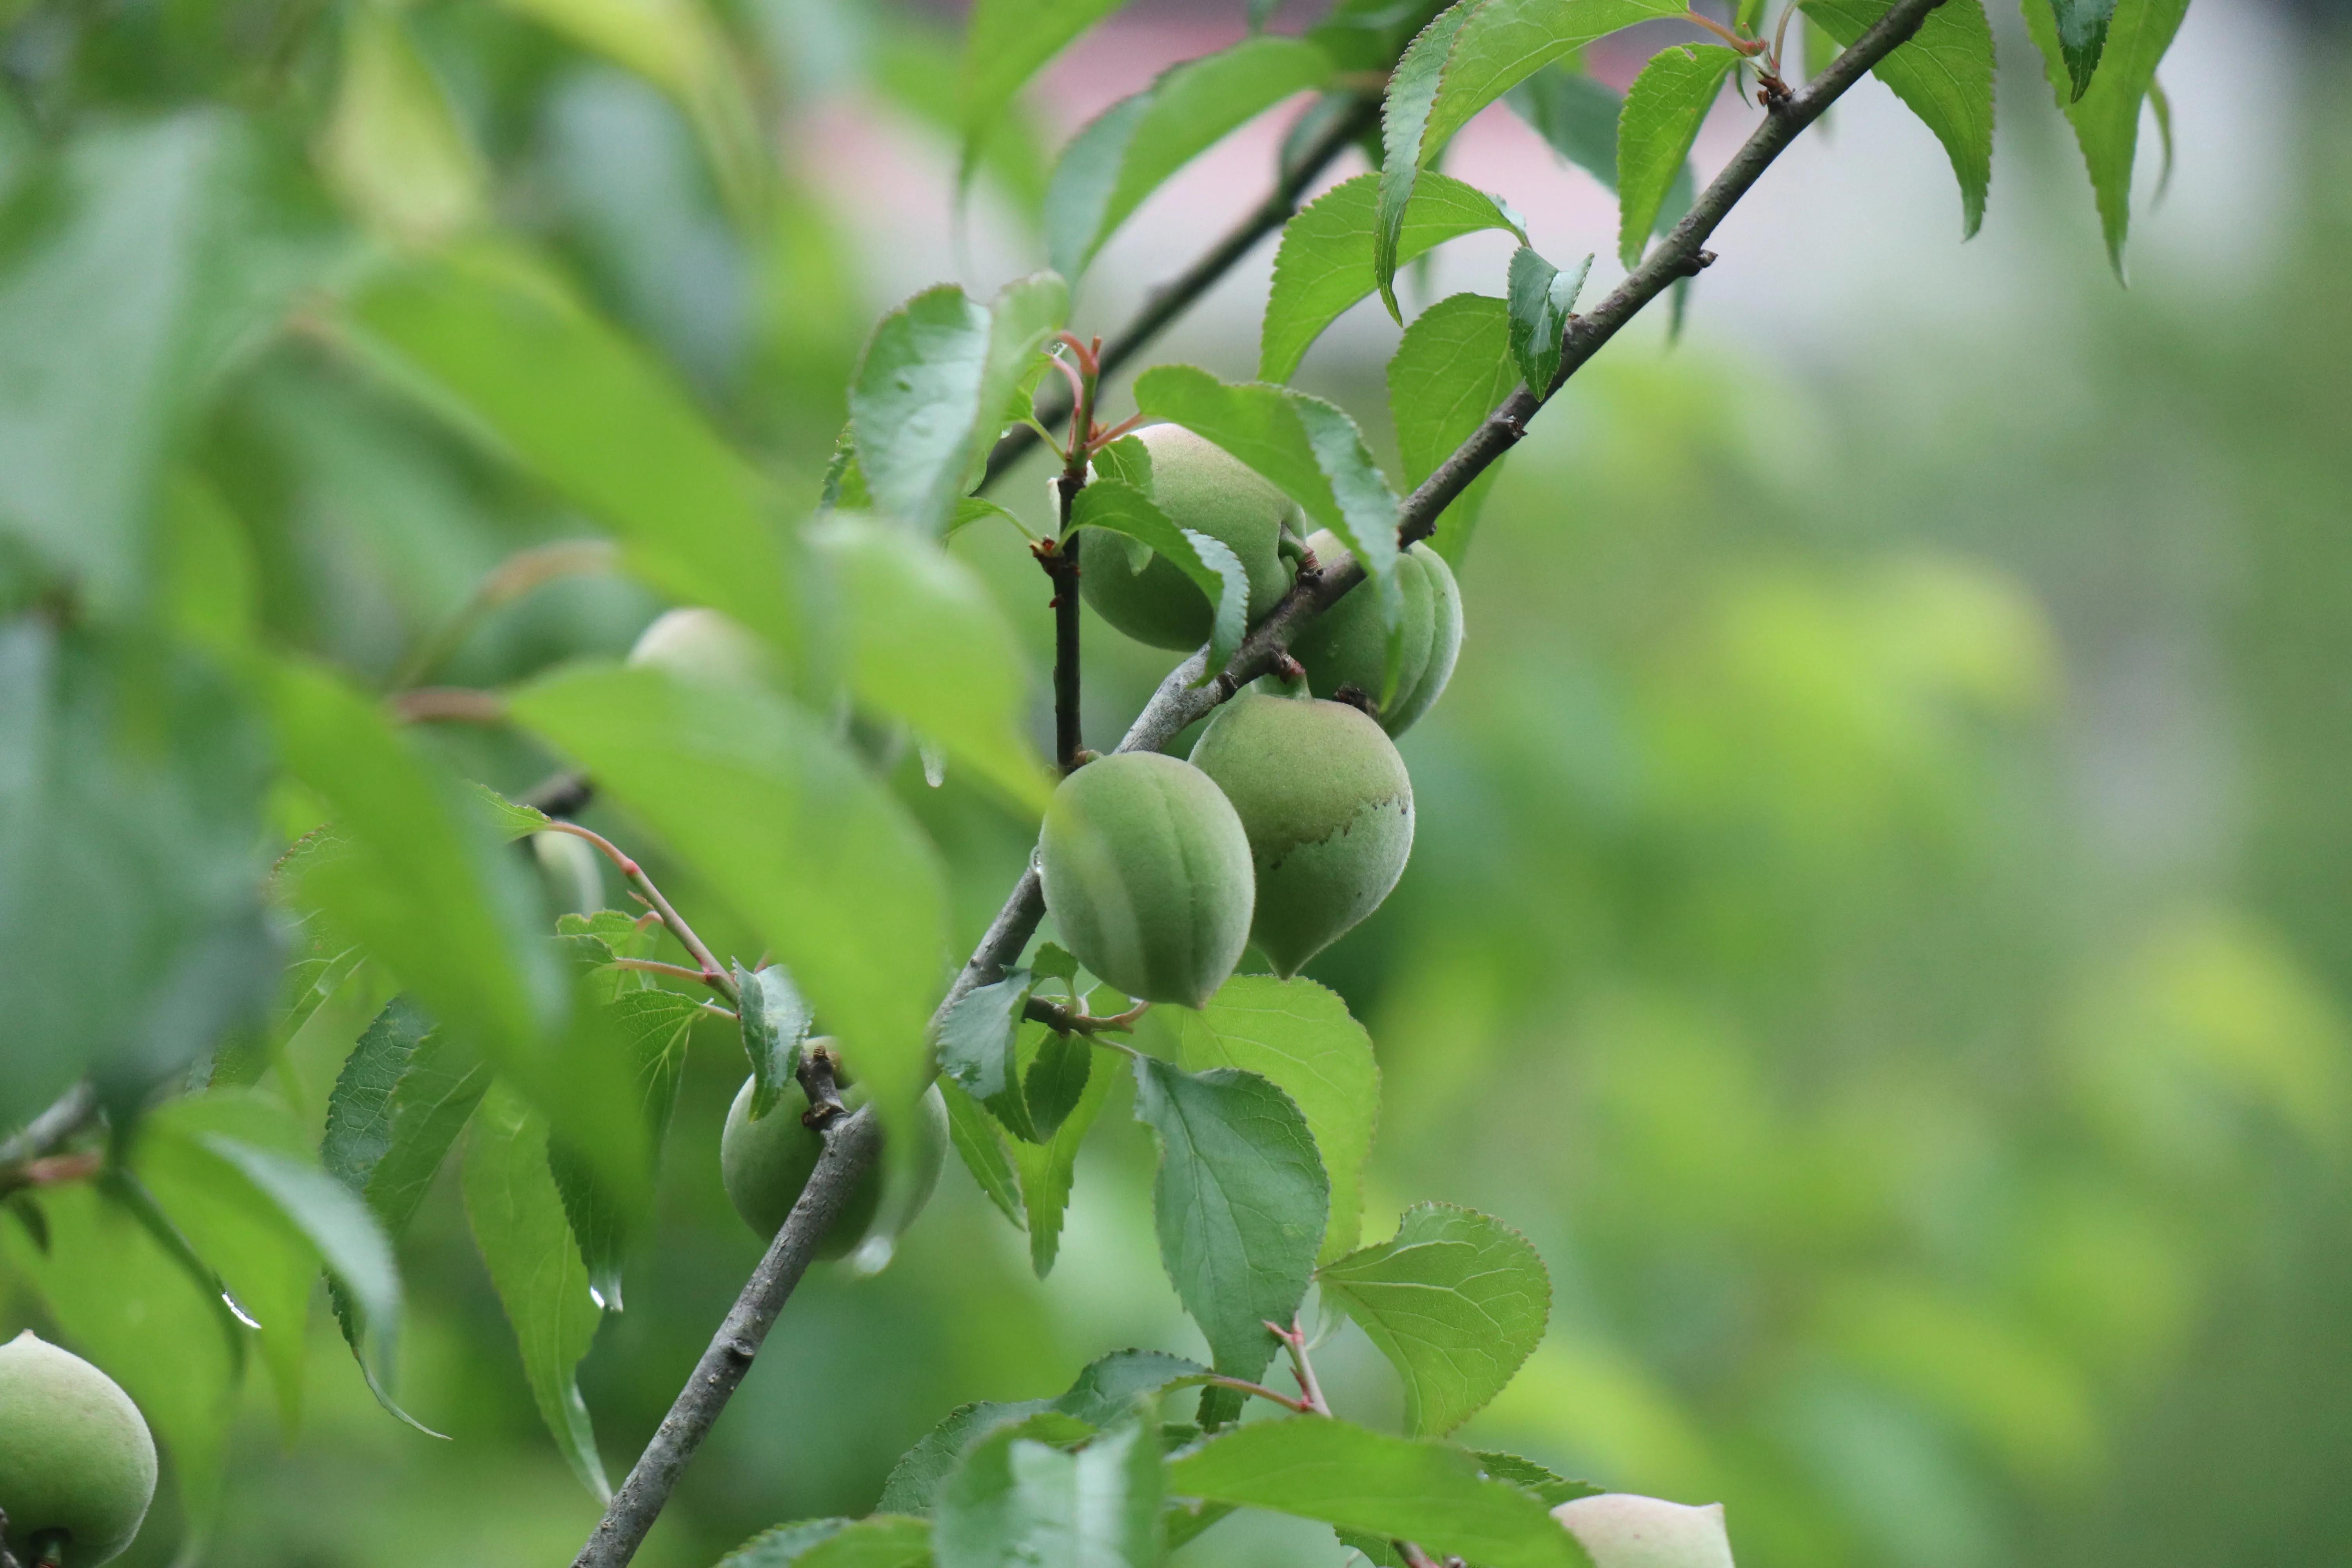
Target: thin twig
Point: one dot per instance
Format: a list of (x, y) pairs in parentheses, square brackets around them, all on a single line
[(1302, 1367), (851, 1143), (53, 1128), (447, 705), (1064, 1020), (1059, 555), (1242, 1384), (714, 974), (1172, 299), (710, 977)]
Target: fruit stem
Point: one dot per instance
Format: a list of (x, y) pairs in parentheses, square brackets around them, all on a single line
[(1294, 1339)]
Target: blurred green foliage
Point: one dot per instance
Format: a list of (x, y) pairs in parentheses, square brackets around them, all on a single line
[(1932, 1108)]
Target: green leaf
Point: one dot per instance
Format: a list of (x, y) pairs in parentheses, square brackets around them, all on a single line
[(403, 1095), (1457, 1301), (1004, 44), (519, 1224), (1298, 1036), (1123, 509), (1944, 76), (1551, 1489), (512, 818), (1469, 58), (647, 1032), (393, 147), (931, 393), (1240, 1203), (491, 342), (1101, 1395), (1453, 369), (266, 1261), (678, 46), (2082, 28), (783, 1545), (1309, 448), (1326, 262), (1126, 153), (415, 871), (329, 1215), (914, 1482), (881, 1541), (2106, 116), (775, 1021), (1663, 109), (982, 1149), (1055, 1080), (1541, 297), (131, 783), (780, 822), (1047, 1169), (141, 261), (121, 1300), (979, 1050), (1393, 1488), (1014, 1502), (926, 642)]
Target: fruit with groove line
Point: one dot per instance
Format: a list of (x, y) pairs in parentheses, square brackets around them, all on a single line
[(1327, 807), (1147, 872), (767, 1162), (1347, 645), (76, 1463), (1204, 488)]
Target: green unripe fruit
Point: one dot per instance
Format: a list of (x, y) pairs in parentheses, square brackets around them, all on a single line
[(1327, 807), (1622, 1529), (705, 645), (1202, 488), (1347, 645), (77, 1464), (766, 1163), (1147, 871)]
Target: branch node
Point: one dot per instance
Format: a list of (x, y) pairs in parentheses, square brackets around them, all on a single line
[(820, 1080)]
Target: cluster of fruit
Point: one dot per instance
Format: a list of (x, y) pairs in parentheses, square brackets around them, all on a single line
[(1293, 818), (1290, 823)]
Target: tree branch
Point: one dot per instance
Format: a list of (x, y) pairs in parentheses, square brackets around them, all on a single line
[(852, 1141), (1172, 299)]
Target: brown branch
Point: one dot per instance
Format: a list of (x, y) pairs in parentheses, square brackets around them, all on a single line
[(447, 705), (852, 1141), (1172, 299)]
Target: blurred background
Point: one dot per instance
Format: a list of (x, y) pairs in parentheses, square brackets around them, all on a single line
[(1878, 920)]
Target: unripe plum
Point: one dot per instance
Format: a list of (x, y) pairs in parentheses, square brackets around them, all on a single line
[(1147, 871), (1622, 1529), (1327, 807), (1347, 645), (766, 1163), (702, 644), (77, 1464), (1201, 487)]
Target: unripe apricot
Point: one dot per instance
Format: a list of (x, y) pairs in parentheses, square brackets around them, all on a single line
[(766, 1163), (1347, 646), (1327, 807), (704, 645), (1147, 871), (77, 1464), (1621, 1530), (1202, 488)]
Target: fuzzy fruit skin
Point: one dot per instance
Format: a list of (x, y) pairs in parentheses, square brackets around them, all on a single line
[(1327, 807), (1201, 488), (1147, 871), (704, 645), (1622, 1529), (765, 1163), (1346, 646), (75, 1453)]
